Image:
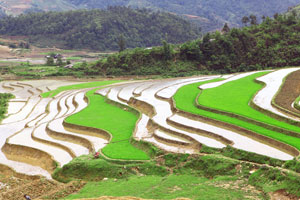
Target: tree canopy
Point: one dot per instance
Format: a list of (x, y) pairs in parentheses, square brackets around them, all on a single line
[(99, 29)]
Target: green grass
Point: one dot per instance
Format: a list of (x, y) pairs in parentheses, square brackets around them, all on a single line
[(185, 100), (170, 187), (74, 58), (4, 98), (113, 119), (234, 97), (53, 93), (57, 52)]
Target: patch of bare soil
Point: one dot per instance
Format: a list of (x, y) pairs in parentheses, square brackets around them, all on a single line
[(12, 188), (128, 198), (289, 92), (240, 185), (282, 195)]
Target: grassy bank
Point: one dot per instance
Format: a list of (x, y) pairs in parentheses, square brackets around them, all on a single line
[(53, 93), (170, 187), (185, 100), (178, 175), (4, 98), (119, 122)]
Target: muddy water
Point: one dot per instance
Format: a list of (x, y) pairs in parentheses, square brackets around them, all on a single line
[(14, 107), (127, 91), (40, 132), (28, 110), (169, 91), (97, 142), (163, 109), (231, 78), (273, 82), (138, 91), (240, 141), (141, 130), (113, 94), (24, 139)]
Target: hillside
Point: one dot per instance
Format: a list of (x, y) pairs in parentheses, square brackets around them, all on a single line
[(271, 44), (99, 29), (16, 7), (210, 15)]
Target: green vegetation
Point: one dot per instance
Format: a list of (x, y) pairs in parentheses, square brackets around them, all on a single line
[(211, 15), (34, 71), (272, 44), (170, 187), (234, 97), (185, 100), (4, 97), (272, 179), (118, 121), (74, 58), (53, 93), (99, 29), (177, 175)]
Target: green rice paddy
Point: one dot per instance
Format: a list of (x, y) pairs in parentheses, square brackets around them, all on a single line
[(185, 100), (113, 119), (234, 97), (53, 93), (171, 187)]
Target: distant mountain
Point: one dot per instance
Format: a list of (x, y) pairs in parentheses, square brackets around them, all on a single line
[(100, 29), (209, 14), (16, 7)]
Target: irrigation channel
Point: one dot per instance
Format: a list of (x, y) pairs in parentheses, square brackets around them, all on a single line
[(34, 139)]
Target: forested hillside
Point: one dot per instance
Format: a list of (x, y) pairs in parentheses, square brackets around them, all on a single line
[(209, 14), (100, 29), (274, 43)]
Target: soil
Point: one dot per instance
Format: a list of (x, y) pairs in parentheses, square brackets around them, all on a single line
[(289, 92), (282, 195), (127, 198), (13, 188)]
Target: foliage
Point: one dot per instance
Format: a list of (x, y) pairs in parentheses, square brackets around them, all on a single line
[(4, 98), (272, 44), (272, 179), (210, 15), (99, 29)]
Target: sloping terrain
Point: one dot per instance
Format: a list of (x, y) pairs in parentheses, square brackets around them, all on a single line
[(16, 7)]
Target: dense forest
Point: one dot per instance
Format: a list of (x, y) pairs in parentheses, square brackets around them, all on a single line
[(100, 29), (274, 43), (209, 14)]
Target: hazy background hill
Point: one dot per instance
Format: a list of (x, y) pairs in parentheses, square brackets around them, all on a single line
[(209, 14), (100, 29)]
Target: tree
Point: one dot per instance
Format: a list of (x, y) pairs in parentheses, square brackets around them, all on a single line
[(122, 43), (245, 20), (253, 20), (50, 61), (167, 50), (59, 61), (226, 28)]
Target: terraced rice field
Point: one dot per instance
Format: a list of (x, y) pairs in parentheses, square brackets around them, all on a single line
[(173, 114)]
